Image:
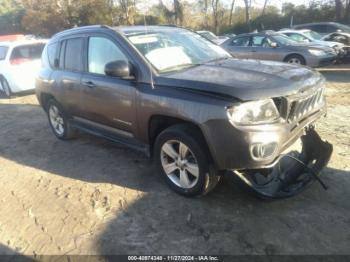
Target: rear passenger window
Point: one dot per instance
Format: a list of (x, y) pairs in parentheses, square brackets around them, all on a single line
[(258, 40), (73, 55)]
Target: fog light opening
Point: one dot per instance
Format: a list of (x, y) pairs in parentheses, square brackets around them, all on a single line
[(262, 151)]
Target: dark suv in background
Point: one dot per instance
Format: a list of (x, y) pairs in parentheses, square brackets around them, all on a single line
[(187, 103)]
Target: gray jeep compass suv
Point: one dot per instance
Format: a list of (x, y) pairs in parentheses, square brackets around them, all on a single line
[(187, 103)]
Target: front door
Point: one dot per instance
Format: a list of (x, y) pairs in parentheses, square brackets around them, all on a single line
[(107, 101)]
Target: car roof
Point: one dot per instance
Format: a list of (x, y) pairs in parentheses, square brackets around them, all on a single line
[(318, 23), (263, 33), (120, 29), (300, 31), (23, 42), (142, 28)]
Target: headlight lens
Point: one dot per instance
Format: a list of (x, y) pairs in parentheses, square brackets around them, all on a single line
[(255, 112), (317, 52)]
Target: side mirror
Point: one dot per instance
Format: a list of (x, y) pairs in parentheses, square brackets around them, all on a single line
[(273, 45), (120, 68)]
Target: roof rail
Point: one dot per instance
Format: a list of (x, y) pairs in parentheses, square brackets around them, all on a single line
[(79, 28)]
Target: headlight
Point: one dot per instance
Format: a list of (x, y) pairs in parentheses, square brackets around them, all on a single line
[(255, 112), (316, 52)]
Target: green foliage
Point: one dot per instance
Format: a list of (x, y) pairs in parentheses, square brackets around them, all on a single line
[(46, 17)]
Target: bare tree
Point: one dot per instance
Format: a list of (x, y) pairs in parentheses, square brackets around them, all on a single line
[(264, 8), (178, 12), (247, 4), (338, 9), (215, 7), (127, 6), (231, 11)]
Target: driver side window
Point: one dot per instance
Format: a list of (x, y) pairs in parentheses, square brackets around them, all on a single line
[(101, 51)]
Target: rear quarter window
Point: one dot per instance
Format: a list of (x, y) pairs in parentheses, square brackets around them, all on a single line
[(3, 52), (52, 53)]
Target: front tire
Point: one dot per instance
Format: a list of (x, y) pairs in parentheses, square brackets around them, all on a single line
[(5, 87), (182, 158), (295, 59), (58, 120)]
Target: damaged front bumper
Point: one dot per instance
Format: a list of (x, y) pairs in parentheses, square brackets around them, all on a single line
[(293, 171)]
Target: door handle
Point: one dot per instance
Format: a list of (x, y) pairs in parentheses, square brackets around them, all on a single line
[(89, 84), (253, 51)]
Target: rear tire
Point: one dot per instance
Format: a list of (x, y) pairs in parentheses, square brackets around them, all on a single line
[(295, 59), (58, 121), (5, 87), (181, 157)]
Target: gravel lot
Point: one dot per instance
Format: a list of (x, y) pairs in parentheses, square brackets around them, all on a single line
[(90, 196)]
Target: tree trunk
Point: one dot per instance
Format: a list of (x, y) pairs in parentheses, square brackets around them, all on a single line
[(231, 11), (247, 14), (264, 8), (338, 9), (215, 5)]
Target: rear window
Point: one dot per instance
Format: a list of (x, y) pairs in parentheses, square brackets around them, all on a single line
[(73, 54), (27, 52), (3, 52)]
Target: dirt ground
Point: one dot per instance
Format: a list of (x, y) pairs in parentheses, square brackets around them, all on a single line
[(90, 196)]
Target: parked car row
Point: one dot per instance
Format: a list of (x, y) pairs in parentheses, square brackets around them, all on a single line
[(300, 45), (315, 44)]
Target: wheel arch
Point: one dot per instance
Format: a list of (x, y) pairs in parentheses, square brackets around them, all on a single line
[(44, 99), (293, 54), (158, 123)]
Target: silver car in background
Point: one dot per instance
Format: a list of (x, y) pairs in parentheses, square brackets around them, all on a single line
[(274, 46), (308, 36)]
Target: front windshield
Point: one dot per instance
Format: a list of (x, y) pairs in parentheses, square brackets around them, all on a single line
[(284, 40), (209, 35), (344, 28), (171, 50), (313, 35)]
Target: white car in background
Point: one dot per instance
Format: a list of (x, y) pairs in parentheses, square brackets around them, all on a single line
[(19, 64), (309, 36)]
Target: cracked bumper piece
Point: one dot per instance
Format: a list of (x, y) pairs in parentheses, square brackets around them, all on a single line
[(293, 172)]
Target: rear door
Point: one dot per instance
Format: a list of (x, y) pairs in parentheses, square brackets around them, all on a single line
[(239, 47), (68, 75), (107, 101)]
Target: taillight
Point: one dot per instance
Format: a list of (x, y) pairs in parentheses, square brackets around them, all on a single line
[(18, 61)]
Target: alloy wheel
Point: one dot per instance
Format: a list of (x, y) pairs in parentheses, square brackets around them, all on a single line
[(56, 120), (294, 60), (179, 164)]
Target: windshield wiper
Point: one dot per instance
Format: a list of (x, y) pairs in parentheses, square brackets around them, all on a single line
[(179, 67), (216, 60)]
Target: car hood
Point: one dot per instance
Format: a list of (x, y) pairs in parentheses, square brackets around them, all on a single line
[(329, 43), (243, 79)]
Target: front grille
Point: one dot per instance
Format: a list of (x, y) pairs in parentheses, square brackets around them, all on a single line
[(301, 107)]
